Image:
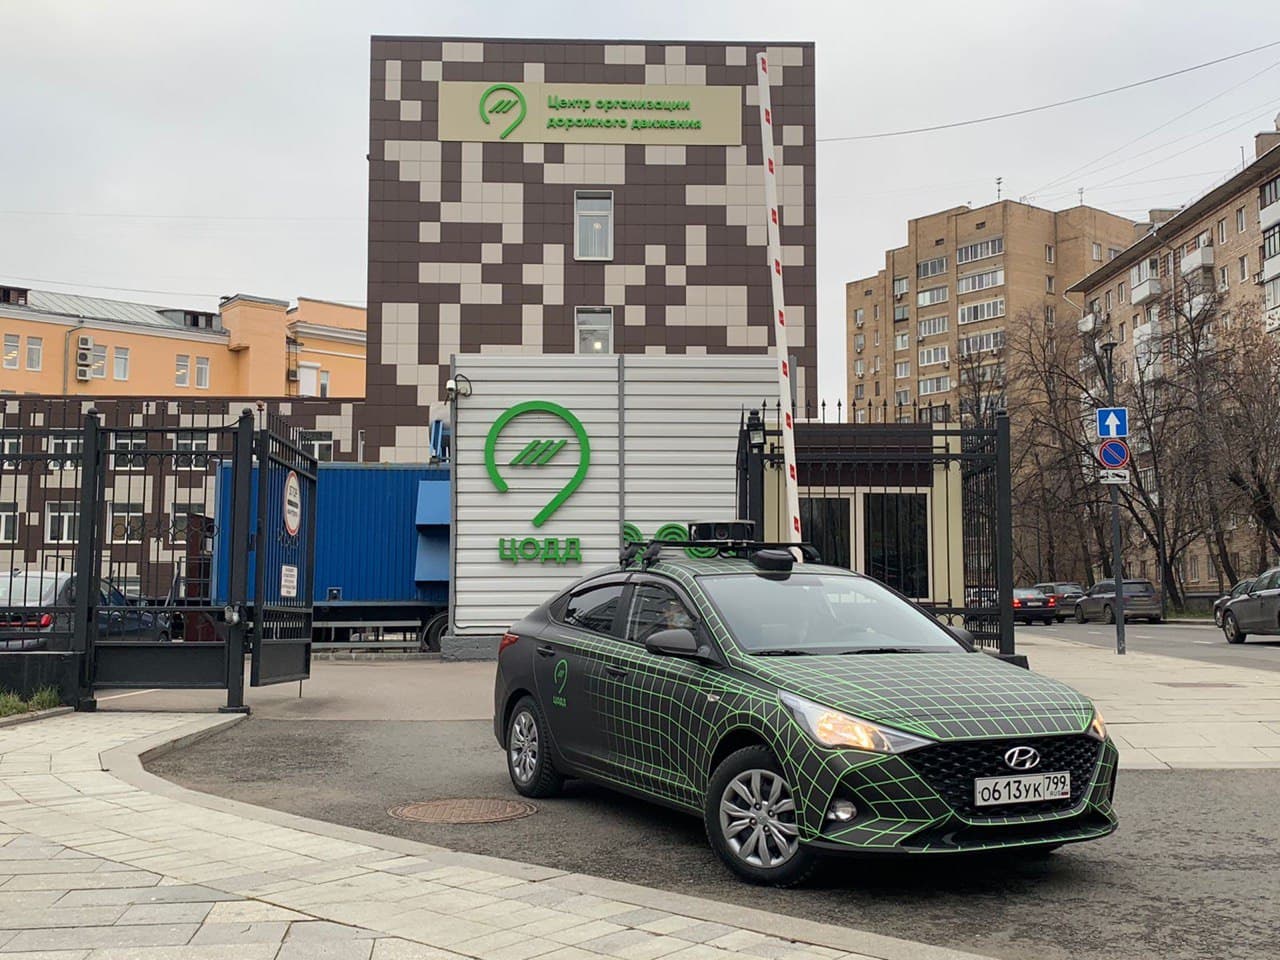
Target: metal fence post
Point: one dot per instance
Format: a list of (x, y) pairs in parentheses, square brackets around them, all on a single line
[(85, 612), (238, 575), (1004, 533)]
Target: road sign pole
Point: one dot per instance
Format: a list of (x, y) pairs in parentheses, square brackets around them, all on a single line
[(1117, 562)]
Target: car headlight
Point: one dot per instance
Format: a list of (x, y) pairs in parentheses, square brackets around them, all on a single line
[(1097, 726), (831, 728)]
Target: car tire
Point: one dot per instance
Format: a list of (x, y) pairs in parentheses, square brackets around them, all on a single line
[(747, 775), (533, 772), (1049, 622), (1231, 627), (1108, 615), (1154, 619), (1080, 617), (431, 632)]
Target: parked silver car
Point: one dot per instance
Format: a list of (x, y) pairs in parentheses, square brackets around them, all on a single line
[(1141, 600), (1256, 611)]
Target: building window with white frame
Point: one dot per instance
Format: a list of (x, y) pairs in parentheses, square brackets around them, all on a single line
[(1222, 230), (593, 230), (1048, 253), (1240, 220), (180, 521), (1120, 292), (324, 383), (901, 341), (10, 447), (35, 353), (62, 522), (12, 347), (120, 370), (182, 370), (902, 369), (931, 296), (980, 281), (901, 397), (859, 342), (1244, 268), (8, 522), (69, 447), (932, 385), (860, 415), (192, 451), (981, 250), (125, 522), (98, 362), (986, 310), (932, 326), (594, 327), (859, 367), (931, 268), (202, 373), (1097, 252), (126, 451), (900, 285), (930, 356), (318, 443), (1048, 283)]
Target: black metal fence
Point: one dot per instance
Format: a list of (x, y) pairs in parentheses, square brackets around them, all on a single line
[(922, 506)]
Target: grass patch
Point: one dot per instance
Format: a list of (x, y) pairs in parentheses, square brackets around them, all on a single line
[(46, 698)]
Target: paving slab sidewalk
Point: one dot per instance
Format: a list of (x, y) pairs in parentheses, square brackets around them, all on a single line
[(1169, 713), (100, 860)]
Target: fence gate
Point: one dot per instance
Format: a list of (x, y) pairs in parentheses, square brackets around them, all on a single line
[(284, 557)]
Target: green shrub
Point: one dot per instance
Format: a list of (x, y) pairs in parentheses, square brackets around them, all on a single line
[(46, 698), (11, 703)]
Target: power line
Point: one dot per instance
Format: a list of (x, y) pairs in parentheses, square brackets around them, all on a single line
[(1047, 106), (1217, 96), (166, 293)]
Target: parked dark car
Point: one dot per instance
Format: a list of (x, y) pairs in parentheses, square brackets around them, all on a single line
[(1141, 601), (38, 605), (1031, 605), (1220, 604), (1064, 594), (1256, 611)]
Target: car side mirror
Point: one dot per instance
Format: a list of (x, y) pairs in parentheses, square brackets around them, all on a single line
[(964, 636), (675, 642)]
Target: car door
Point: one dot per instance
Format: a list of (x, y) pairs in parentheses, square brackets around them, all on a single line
[(1269, 606), (1256, 610), (1092, 602), (564, 655), (656, 709)]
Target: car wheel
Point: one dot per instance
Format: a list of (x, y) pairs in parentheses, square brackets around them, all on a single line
[(431, 632), (529, 763), (1231, 627), (750, 818), (1049, 622), (1153, 619), (1108, 615), (1080, 618)]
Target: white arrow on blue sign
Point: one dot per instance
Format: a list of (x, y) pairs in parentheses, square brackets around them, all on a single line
[(1113, 421)]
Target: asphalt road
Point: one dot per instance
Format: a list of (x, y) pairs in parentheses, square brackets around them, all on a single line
[(1190, 641), (1193, 873)]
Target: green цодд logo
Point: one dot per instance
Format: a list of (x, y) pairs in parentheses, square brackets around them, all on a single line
[(500, 100)]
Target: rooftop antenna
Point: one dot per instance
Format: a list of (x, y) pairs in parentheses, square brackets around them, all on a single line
[(1080, 195), (999, 181)]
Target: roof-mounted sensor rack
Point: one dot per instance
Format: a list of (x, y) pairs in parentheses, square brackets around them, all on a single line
[(651, 551)]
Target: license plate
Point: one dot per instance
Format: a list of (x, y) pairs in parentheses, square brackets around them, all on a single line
[(990, 791), (1034, 603)]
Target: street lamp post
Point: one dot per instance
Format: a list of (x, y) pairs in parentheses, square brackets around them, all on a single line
[(1117, 563)]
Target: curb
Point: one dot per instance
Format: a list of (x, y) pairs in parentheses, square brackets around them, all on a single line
[(17, 718), (125, 763)]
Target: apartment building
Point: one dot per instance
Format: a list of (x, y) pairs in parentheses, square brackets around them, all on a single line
[(1222, 251), (66, 344), (941, 309)]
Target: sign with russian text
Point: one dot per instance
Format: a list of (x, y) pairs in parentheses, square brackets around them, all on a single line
[(589, 113)]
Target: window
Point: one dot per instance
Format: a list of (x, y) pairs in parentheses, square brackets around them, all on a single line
[(35, 353), (1271, 243), (594, 608), (182, 373), (987, 373), (859, 391), (68, 447), (980, 281), (202, 373), (318, 443), (900, 285), (1144, 271), (1097, 251), (902, 369), (126, 451), (655, 608), (1240, 220), (324, 383), (593, 236), (860, 416), (1195, 567), (12, 345), (1244, 268), (932, 385), (986, 310), (901, 312), (1107, 300), (11, 446), (931, 268), (126, 522), (1120, 292), (875, 339), (1152, 313), (931, 296), (1048, 253), (61, 522), (1048, 283), (859, 342), (857, 316), (1050, 315), (121, 368), (8, 522), (933, 326), (193, 451), (1113, 252), (980, 250), (595, 329), (981, 342), (1269, 194), (901, 341), (859, 367), (931, 355), (1271, 293), (875, 311), (1224, 278), (1222, 230), (180, 521), (1122, 331), (901, 397)]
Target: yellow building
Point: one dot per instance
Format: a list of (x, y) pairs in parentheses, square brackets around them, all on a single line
[(57, 343)]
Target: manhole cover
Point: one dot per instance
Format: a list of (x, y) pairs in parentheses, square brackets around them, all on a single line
[(463, 810)]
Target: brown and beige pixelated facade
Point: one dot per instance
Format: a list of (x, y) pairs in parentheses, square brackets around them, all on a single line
[(471, 242)]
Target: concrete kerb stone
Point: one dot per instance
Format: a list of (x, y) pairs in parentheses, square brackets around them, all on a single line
[(125, 763), (18, 718)]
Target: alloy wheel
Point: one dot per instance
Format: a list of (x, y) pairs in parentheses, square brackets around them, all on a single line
[(758, 818), (524, 747)]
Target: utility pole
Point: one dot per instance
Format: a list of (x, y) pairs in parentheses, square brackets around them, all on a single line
[(1117, 563)]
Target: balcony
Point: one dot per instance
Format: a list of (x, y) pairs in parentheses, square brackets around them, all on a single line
[(1273, 320), (1200, 258), (1269, 215), (1146, 291), (1271, 268)]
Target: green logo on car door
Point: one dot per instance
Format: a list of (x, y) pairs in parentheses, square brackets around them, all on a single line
[(561, 678)]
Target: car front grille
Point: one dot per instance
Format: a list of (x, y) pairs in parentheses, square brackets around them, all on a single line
[(951, 768)]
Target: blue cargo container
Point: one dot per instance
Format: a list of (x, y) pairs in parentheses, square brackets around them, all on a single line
[(382, 548)]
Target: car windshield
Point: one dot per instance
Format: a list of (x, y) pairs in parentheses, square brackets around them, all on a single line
[(1070, 588), (806, 613), (23, 590)]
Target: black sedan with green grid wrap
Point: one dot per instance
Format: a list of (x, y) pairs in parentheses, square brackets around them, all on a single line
[(800, 710)]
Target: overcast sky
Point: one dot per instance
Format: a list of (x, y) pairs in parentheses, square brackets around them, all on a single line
[(204, 148)]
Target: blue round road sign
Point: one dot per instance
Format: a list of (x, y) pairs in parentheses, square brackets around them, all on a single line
[(1113, 454)]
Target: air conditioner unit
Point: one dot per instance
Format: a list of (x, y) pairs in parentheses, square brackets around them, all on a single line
[(293, 374), (898, 296), (861, 375), (859, 323), (1257, 278), (84, 374), (84, 342), (946, 364)]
